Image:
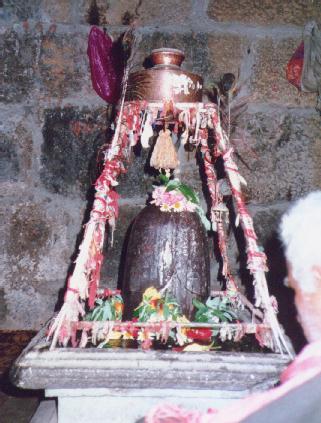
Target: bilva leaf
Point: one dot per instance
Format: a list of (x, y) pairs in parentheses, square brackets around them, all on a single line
[(166, 311), (200, 306), (107, 315), (164, 179), (174, 184), (201, 318), (188, 193), (213, 302)]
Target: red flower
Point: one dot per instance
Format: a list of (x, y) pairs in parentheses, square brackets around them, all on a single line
[(199, 334)]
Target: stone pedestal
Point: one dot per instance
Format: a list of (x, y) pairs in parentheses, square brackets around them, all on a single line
[(119, 385)]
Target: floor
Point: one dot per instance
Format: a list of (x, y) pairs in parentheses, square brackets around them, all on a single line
[(16, 406)]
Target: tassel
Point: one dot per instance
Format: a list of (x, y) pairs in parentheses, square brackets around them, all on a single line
[(164, 154)]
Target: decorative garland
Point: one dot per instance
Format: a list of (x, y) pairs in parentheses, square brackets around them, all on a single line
[(134, 121), (84, 281), (158, 318), (219, 214)]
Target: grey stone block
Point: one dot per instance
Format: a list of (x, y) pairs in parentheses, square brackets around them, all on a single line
[(17, 58), (72, 138), (9, 164), (46, 412), (278, 154), (3, 305), (63, 63), (266, 12), (22, 9)]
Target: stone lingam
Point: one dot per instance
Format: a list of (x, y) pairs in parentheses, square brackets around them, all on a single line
[(167, 249), (121, 384)]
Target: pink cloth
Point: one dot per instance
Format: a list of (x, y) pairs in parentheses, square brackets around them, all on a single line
[(305, 366)]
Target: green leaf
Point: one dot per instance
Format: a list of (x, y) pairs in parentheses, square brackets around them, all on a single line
[(201, 318), (136, 312), (97, 314), (213, 302), (228, 316), (174, 184), (164, 179), (107, 313), (188, 193), (200, 306), (166, 311)]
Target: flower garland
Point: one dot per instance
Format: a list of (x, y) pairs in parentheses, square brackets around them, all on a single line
[(171, 201), (158, 318), (178, 197)]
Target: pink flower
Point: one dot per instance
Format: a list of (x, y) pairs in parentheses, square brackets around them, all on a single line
[(171, 200), (176, 197), (157, 195)]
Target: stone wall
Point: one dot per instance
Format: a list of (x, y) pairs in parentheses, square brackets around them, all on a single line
[(52, 125)]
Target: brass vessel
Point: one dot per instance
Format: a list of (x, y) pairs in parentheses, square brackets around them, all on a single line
[(165, 80)]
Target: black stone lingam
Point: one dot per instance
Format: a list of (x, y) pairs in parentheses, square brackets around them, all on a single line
[(167, 249)]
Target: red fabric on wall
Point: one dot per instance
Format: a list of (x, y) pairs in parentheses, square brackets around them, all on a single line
[(295, 67)]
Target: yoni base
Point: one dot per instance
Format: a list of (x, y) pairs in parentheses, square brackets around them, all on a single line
[(120, 385), (119, 406)]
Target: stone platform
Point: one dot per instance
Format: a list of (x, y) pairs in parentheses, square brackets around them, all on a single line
[(121, 385)]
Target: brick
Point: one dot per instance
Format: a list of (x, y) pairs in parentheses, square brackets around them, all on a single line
[(16, 154), (278, 154), (22, 9), (9, 164), (63, 63), (62, 11), (72, 138), (268, 81), (29, 232), (38, 242), (17, 71), (3, 305), (100, 12), (226, 54), (143, 12), (264, 12), (27, 309)]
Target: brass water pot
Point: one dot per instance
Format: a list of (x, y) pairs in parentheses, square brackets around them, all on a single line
[(165, 80)]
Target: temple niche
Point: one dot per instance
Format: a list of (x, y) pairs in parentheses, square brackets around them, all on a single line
[(55, 128)]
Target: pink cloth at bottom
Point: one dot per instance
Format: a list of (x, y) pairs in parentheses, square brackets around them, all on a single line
[(304, 367)]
